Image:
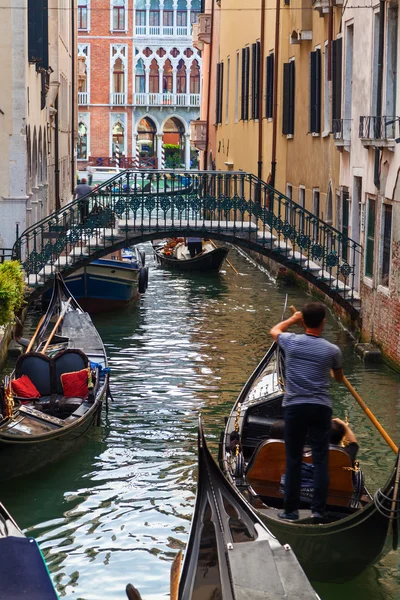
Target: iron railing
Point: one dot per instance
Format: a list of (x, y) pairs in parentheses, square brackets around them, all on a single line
[(136, 206), (379, 128), (5, 254)]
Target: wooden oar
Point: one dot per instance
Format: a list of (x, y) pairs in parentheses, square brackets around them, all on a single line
[(175, 575), (365, 408), (132, 592), (60, 318), (227, 261), (29, 348)]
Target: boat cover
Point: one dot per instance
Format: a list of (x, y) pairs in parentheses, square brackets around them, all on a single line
[(23, 572)]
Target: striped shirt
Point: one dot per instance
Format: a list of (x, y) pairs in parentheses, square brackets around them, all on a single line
[(308, 361)]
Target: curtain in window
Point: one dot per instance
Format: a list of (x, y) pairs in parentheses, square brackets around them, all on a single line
[(118, 15), (140, 77)]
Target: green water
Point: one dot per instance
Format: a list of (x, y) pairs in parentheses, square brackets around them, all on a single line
[(117, 510)]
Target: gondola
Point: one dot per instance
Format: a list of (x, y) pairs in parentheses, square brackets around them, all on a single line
[(23, 571), (209, 260), (56, 391), (357, 527), (230, 553)]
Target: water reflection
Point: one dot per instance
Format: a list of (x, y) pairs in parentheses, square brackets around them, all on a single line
[(118, 509)]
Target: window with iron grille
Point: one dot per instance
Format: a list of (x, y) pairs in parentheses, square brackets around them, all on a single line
[(245, 83), (83, 15), (288, 98), (255, 80), (269, 92), (315, 92), (370, 238), (220, 87), (386, 244), (336, 80)]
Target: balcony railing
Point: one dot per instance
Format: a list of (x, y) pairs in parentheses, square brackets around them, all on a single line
[(181, 30), (341, 129), (165, 30), (379, 131), (140, 29), (168, 30), (118, 98), (154, 30), (166, 99), (83, 97), (198, 134)]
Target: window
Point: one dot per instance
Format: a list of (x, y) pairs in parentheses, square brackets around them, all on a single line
[(154, 18), (83, 15), (228, 70), (348, 83), (255, 80), (375, 66), (118, 15), (181, 15), (327, 122), (245, 83), (167, 77), (82, 149), (315, 92), (195, 78), (386, 244), (118, 78), (195, 11), (345, 222), (237, 88), (370, 239), (302, 200), (336, 82), (139, 77), (220, 87), (316, 212), (288, 98), (140, 18), (269, 95), (181, 77), (118, 138), (154, 77), (391, 68), (168, 18), (289, 191), (38, 19)]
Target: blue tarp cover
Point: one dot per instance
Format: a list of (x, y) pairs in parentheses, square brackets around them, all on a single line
[(23, 572)]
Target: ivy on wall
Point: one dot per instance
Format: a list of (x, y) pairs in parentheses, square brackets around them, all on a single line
[(12, 287)]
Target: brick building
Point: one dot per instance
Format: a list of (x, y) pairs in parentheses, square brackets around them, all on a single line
[(140, 79)]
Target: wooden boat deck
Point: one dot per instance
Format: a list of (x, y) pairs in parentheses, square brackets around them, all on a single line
[(78, 327)]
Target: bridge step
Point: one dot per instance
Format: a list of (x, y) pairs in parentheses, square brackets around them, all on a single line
[(266, 238), (298, 257), (282, 247), (313, 267)]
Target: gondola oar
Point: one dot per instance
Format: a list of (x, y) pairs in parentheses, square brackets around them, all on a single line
[(29, 348), (60, 318), (227, 261), (175, 576), (365, 408)]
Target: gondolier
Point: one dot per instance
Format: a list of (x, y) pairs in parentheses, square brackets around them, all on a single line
[(307, 404)]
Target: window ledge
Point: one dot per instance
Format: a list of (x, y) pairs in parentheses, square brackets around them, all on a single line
[(382, 289), (269, 119), (315, 134), (289, 136), (325, 134), (368, 281)]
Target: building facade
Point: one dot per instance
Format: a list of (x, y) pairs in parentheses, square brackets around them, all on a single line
[(141, 81), (37, 107)]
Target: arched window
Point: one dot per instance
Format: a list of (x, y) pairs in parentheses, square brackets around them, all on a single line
[(81, 151), (195, 78), (181, 16), (154, 78), (146, 137), (118, 137), (44, 164), (118, 15), (181, 78), (194, 11), (118, 96), (139, 77), (167, 77), (168, 18), (140, 16), (40, 157), (154, 17)]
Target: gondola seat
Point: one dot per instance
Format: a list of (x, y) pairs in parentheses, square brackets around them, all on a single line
[(268, 464), (45, 373)]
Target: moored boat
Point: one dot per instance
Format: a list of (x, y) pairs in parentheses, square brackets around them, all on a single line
[(230, 553), (357, 526), (23, 571), (175, 254), (56, 391)]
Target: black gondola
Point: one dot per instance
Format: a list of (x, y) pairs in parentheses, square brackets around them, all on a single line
[(23, 571), (355, 531), (42, 427), (230, 553), (210, 259)]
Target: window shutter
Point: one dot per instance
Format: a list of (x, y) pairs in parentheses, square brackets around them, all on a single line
[(269, 98), (243, 99), (315, 92), (336, 79), (253, 81), (257, 83), (291, 95), (246, 83), (221, 90), (38, 20), (286, 85), (217, 94), (312, 108)]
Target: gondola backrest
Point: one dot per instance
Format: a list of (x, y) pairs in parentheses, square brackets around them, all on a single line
[(68, 361), (268, 464), (39, 370)]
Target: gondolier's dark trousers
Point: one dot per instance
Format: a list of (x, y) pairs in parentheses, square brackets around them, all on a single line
[(300, 420), (195, 248)]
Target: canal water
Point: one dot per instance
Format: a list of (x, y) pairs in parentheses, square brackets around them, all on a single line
[(118, 510)]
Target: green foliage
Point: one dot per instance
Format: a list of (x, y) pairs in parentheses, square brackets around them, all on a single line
[(12, 287), (171, 148), (173, 161)]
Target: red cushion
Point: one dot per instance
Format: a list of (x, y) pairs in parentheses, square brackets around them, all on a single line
[(24, 388), (75, 385)]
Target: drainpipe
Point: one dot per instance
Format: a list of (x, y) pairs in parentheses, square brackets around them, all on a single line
[(56, 158), (73, 100), (205, 162), (275, 102), (382, 7), (260, 93)]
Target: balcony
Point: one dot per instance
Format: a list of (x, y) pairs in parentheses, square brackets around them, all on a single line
[(204, 28), (118, 98), (168, 30), (341, 129), (379, 132), (165, 30), (166, 99), (322, 6), (83, 98), (198, 134), (195, 38)]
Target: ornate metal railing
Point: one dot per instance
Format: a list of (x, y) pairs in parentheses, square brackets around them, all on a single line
[(379, 128), (5, 254), (136, 206)]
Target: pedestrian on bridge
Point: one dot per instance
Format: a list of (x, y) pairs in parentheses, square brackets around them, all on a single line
[(81, 190)]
